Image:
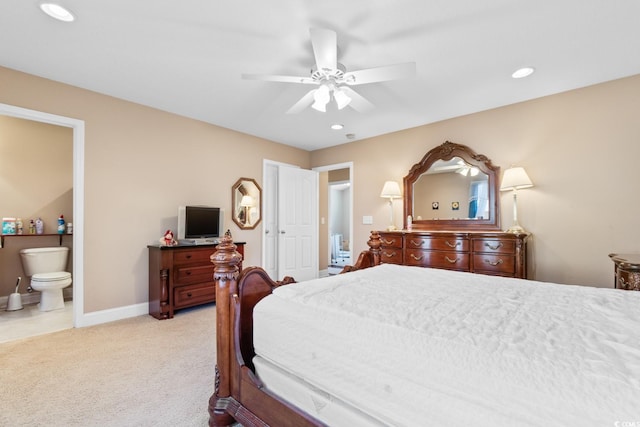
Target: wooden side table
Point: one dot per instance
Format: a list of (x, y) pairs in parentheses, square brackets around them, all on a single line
[(627, 271)]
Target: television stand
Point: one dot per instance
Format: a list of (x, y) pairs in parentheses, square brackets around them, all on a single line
[(181, 276)]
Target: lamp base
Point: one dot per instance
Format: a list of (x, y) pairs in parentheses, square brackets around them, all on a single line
[(516, 229)]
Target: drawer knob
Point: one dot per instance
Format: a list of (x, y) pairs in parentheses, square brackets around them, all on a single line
[(189, 294), (188, 272), (389, 254), (417, 244), (493, 247), (452, 261), (452, 245), (417, 258), (188, 257), (388, 242), (493, 263)]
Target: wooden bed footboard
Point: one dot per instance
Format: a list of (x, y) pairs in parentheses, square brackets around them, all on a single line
[(239, 395)]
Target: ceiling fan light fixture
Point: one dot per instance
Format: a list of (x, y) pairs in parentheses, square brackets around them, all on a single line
[(321, 97), (57, 12), (337, 126), (342, 99)]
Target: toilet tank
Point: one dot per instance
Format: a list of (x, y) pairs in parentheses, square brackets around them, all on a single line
[(44, 260)]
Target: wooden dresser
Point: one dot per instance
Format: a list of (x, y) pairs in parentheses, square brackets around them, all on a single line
[(180, 277), (493, 253), (627, 271)]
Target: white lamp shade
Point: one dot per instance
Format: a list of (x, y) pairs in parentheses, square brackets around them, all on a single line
[(515, 179), (391, 190), (246, 201)]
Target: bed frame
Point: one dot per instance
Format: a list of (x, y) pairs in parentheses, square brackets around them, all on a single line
[(239, 396)]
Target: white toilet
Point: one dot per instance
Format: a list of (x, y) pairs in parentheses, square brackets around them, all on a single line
[(46, 268)]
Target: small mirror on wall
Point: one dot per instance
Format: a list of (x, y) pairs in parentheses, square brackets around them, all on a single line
[(246, 199)]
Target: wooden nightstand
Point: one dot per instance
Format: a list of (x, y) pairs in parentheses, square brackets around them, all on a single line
[(627, 271)]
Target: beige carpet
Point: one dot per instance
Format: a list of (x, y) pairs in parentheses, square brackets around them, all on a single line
[(134, 372)]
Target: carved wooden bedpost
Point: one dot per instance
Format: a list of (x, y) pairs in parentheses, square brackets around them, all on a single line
[(368, 258), (226, 261), (374, 244)]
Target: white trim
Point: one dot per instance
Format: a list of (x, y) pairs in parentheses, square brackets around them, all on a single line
[(78, 196), (113, 314)]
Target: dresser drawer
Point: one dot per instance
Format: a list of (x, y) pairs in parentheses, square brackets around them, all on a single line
[(391, 255), (499, 265), (437, 259), (389, 240), (193, 274), (193, 256), (497, 246), (444, 243), (185, 296)]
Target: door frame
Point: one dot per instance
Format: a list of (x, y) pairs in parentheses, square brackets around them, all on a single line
[(78, 196), (336, 166)]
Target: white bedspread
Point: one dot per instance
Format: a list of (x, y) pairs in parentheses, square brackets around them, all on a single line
[(414, 346)]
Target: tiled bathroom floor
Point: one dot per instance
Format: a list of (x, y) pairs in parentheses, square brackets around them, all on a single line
[(30, 321)]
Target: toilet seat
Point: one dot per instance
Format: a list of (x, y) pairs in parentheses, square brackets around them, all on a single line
[(51, 277)]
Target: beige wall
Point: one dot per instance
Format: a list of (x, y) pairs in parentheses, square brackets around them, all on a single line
[(36, 180), (140, 165), (580, 148)]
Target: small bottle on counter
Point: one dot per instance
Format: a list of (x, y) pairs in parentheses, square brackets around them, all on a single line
[(61, 224), (409, 223), (69, 228), (32, 227), (39, 226), (19, 226)]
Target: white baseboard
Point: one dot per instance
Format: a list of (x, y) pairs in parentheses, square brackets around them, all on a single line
[(112, 314), (323, 273)]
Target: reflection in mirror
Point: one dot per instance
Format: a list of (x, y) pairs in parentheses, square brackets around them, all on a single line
[(452, 189), (246, 201)]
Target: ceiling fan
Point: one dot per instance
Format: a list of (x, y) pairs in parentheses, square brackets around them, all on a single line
[(332, 78)]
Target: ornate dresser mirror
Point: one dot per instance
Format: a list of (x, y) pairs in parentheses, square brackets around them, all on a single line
[(452, 188), (246, 199)]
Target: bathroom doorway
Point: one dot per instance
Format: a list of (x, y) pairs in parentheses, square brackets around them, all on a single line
[(336, 217), (28, 321)]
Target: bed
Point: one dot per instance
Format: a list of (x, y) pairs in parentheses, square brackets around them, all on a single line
[(396, 345)]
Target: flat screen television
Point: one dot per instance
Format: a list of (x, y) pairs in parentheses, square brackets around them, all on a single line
[(200, 224)]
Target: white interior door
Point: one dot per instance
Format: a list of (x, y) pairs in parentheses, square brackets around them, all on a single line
[(297, 223)]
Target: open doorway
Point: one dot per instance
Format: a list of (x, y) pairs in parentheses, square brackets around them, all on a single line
[(78, 196), (336, 218)]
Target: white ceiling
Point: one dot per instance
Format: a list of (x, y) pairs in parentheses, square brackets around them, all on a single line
[(186, 56)]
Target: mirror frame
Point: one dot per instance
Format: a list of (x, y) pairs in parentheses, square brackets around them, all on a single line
[(447, 151), (236, 197)]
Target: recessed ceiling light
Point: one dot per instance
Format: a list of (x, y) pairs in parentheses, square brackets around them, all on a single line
[(57, 12), (337, 126), (523, 72)]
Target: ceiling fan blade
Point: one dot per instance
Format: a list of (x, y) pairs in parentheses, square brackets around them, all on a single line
[(358, 102), (325, 48), (303, 103), (279, 78), (381, 74)]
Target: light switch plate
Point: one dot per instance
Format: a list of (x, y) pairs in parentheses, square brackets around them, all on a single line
[(367, 220)]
